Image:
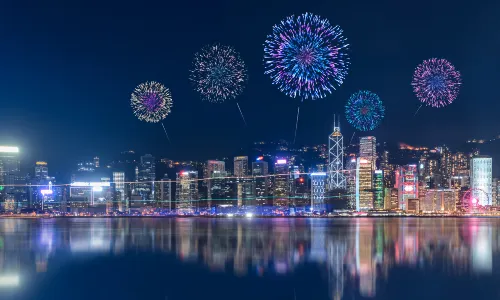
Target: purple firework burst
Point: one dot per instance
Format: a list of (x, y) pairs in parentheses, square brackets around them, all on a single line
[(151, 101), (436, 82), (306, 56)]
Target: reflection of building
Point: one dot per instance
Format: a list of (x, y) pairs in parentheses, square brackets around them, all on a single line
[(439, 200), (280, 184), (481, 178), (318, 186), (186, 193), (364, 184), (378, 187), (407, 184), (241, 166)]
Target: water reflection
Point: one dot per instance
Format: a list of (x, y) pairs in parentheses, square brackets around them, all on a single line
[(354, 254)]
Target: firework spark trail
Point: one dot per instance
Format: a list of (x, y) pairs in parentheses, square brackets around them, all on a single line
[(166, 133), (436, 82), (418, 109), (352, 137), (218, 73), (364, 110), (296, 124), (242, 115), (306, 56)]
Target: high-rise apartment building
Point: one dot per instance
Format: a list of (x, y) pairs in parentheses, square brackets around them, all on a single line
[(378, 189), (280, 183), (318, 187), (336, 178), (245, 191), (241, 166), (186, 193), (163, 193), (481, 179), (364, 184), (407, 184), (214, 168)]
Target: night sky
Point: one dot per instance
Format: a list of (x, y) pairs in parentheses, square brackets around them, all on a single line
[(68, 69)]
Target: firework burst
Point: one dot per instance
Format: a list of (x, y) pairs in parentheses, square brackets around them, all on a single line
[(364, 110), (218, 73), (151, 102), (306, 56), (436, 82)]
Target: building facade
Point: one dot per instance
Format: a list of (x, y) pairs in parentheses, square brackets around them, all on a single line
[(481, 179), (364, 184), (241, 166), (407, 185)]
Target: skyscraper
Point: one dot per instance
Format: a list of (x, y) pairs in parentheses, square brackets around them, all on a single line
[(364, 184), (146, 176), (41, 171), (336, 178), (481, 179), (186, 193), (350, 175), (368, 148), (378, 185), (407, 184), (213, 169), (241, 166), (10, 174), (260, 170), (280, 184), (245, 191), (163, 195), (318, 185), (119, 181)]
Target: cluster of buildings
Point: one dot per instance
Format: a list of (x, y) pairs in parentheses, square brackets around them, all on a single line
[(359, 178)]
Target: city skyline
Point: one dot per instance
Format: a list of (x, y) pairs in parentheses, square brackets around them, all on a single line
[(77, 60)]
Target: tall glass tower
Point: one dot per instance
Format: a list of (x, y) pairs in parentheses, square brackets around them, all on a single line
[(336, 178)]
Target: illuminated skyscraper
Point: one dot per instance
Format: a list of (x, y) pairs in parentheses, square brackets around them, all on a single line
[(260, 170), (10, 174), (350, 176), (163, 193), (146, 176), (280, 184), (364, 184), (41, 171), (186, 193), (213, 169), (378, 185), (336, 178), (119, 181), (481, 179), (407, 184), (241, 166), (318, 185), (368, 148), (245, 191)]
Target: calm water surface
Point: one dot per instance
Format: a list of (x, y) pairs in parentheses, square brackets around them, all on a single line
[(188, 258)]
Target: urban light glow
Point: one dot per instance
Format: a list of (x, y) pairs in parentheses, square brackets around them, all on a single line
[(94, 184), (9, 149), (281, 161)]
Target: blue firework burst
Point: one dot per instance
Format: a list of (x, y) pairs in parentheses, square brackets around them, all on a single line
[(364, 110), (306, 56)]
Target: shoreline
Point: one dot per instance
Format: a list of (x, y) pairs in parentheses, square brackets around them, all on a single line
[(240, 217)]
